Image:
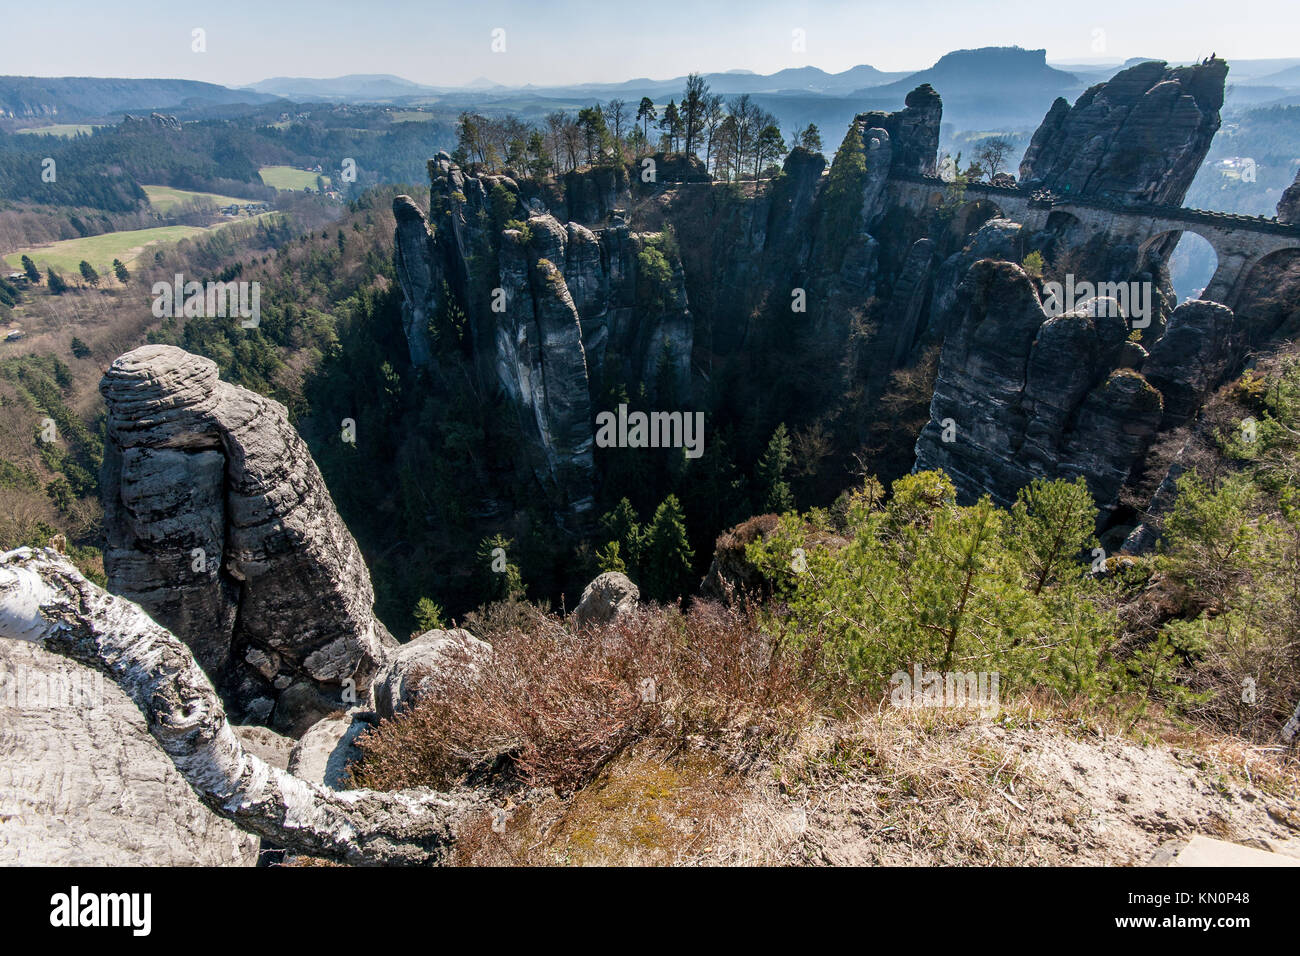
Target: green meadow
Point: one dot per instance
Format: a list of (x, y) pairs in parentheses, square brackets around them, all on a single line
[(58, 129), (286, 177), (163, 198), (65, 257)]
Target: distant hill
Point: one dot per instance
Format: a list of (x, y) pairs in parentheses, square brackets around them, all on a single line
[(354, 87), (988, 71), (993, 88), (395, 89), (71, 98), (1284, 78)]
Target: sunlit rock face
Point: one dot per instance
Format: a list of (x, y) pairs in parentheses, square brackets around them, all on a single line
[(555, 311), (218, 523)]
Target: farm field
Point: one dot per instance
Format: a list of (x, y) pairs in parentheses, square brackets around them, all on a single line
[(65, 257), (286, 177), (59, 129), (163, 198)]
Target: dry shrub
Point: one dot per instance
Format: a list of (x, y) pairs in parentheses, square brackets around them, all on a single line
[(554, 706)]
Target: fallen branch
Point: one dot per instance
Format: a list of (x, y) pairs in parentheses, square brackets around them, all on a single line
[(45, 600)]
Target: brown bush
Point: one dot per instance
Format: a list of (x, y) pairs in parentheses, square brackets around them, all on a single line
[(553, 707)]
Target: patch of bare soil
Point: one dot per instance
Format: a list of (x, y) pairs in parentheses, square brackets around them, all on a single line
[(910, 788), (1040, 796)]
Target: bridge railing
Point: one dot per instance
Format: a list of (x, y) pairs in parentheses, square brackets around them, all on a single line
[(1040, 199)]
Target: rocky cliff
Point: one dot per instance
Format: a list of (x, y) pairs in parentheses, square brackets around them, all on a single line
[(1288, 207), (1139, 137), (1021, 395), (218, 523), (556, 311), (913, 131)]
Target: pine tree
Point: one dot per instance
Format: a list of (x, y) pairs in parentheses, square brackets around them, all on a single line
[(1053, 522), (608, 558), (33, 273), (647, 114), (772, 468), (667, 554), (503, 579), (55, 281), (88, 273), (811, 138), (428, 616), (840, 204), (621, 528), (119, 270)]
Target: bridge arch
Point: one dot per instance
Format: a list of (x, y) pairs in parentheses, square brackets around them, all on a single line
[(1192, 260), (973, 214), (1268, 295)]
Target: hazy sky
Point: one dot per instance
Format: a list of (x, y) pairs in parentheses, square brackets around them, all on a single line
[(560, 41)]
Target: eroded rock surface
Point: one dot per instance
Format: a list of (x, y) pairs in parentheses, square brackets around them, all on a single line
[(1021, 395), (608, 597), (426, 660), (327, 750), (548, 303), (82, 782), (1139, 137), (219, 524)]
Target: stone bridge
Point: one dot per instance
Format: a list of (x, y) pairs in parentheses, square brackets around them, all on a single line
[(1240, 242)]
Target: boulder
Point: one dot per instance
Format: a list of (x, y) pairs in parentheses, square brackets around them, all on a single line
[(425, 662), (218, 523), (324, 753), (265, 743), (82, 782), (608, 597)]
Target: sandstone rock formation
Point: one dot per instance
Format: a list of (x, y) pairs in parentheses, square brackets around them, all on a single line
[(607, 598), (1288, 207), (275, 749), (45, 601), (424, 662), (1139, 137), (218, 522), (1201, 343), (82, 783), (913, 131), (325, 752), (547, 304), (1020, 395)]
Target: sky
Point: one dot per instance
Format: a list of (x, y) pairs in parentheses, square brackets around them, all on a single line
[(551, 42)]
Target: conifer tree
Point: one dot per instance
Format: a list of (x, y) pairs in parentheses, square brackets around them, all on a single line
[(772, 468), (667, 554)]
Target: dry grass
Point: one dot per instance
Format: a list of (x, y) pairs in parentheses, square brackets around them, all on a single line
[(649, 807)]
